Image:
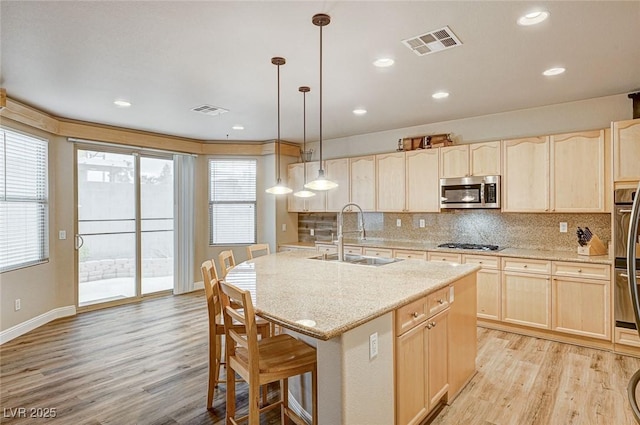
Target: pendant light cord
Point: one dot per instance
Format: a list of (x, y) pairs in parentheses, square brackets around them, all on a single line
[(321, 98), (304, 134), (278, 141)]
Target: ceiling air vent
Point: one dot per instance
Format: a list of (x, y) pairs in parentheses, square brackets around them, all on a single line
[(209, 110), (432, 42)]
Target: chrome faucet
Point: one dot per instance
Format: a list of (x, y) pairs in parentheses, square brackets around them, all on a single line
[(341, 232)]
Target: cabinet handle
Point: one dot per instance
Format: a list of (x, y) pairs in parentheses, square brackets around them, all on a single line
[(579, 270), (433, 324), (415, 314), (525, 266), (429, 326), (479, 262), (440, 301)]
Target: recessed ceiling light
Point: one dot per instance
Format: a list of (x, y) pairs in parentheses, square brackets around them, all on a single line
[(553, 71), (440, 95), (237, 127), (383, 62), (359, 111), (533, 18), (121, 103)]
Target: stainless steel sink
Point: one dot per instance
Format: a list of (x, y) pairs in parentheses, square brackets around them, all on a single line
[(358, 259)]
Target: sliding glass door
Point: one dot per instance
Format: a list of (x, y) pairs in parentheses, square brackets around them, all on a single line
[(125, 225)]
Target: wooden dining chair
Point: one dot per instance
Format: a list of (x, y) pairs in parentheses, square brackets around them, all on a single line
[(227, 262), (257, 250), (260, 362), (216, 327)]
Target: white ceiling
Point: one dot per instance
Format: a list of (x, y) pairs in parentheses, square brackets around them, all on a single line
[(74, 58)]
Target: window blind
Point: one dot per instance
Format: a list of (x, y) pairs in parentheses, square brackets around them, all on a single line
[(232, 201), (24, 221)]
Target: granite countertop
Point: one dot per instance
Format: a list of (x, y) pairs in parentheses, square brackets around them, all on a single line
[(552, 255), (324, 299)]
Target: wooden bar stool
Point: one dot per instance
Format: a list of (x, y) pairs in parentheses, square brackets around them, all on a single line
[(216, 327), (257, 250), (227, 262), (261, 362)]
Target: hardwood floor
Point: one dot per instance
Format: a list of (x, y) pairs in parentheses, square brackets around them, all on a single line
[(146, 364)]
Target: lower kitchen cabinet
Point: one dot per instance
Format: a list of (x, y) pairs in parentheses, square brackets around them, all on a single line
[(526, 299), (489, 294), (581, 307), (422, 371)]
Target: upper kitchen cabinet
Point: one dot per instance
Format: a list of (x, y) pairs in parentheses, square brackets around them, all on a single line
[(362, 171), (318, 202), (423, 186), (337, 170), (578, 172), (475, 159), (295, 180), (626, 150), (526, 175), (390, 185)]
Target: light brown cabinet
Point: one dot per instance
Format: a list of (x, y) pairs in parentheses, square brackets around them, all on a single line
[(488, 283), (444, 256), (475, 159), (390, 182), (526, 292), (580, 299), (626, 150), (337, 170), (526, 175), (295, 180), (578, 172), (422, 362), (316, 203), (422, 184), (363, 181), (409, 254)]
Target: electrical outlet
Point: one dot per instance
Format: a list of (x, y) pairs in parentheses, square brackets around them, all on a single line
[(399, 222), (62, 235), (373, 345), (422, 222), (18, 305), (313, 232), (284, 227), (563, 227)]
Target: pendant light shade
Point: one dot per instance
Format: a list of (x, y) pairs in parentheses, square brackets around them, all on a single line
[(321, 183), (303, 193), (279, 188)]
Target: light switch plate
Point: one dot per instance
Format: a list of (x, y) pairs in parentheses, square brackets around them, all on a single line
[(62, 235), (313, 232), (422, 223), (284, 227), (399, 222), (563, 227), (373, 345)]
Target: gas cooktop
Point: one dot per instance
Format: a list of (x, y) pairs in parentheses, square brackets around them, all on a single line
[(478, 247)]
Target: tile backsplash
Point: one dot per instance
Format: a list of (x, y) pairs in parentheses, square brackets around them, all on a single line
[(513, 230)]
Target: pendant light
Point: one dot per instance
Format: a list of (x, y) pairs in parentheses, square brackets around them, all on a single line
[(321, 183), (279, 188), (304, 193)]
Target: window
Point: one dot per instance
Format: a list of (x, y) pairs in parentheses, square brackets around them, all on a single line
[(232, 201), (24, 221)]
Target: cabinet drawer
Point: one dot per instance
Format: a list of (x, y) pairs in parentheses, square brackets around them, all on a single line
[(592, 271), (437, 301), (526, 265), (485, 261), (355, 250), (378, 252), (627, 337), (444, 256), (401, 253), (327, 248), (410, 315)]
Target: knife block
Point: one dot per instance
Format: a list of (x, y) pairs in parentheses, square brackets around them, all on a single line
[(593, 247)]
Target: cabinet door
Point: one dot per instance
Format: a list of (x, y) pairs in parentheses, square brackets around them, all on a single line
[(454, 161), (526, 175), (423, 183), (488, 282), (581, 307), (526, 299), (484, 159), (390, 182), (318, 202), (437, 358), (626, 150), (411, 376), (337, 170), (295, 180), (363, 181), (577, 172)]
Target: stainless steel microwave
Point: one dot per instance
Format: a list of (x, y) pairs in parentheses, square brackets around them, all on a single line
[(470, 192)]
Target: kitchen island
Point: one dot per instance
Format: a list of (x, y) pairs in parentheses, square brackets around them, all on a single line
[(338, 306)]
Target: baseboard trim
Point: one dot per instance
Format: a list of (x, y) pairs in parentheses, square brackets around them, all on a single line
[(36, 322)]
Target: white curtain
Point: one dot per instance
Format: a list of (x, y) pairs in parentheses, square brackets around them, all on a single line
[(184, 185)]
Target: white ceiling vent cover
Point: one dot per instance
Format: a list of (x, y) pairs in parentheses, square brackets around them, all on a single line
[(432, 42), (209, 110)]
